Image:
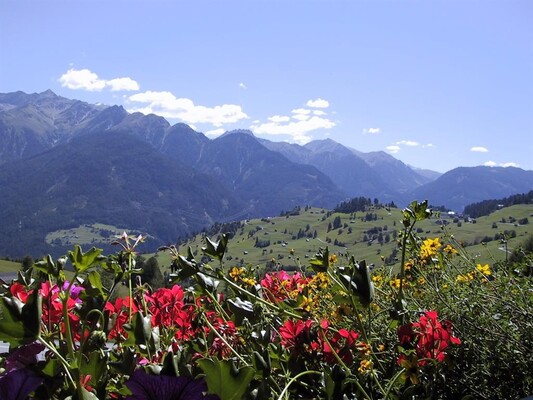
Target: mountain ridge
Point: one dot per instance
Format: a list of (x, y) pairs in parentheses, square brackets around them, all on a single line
[(45, 138)]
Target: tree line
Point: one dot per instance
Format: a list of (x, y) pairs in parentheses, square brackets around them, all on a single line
[(487, 207)]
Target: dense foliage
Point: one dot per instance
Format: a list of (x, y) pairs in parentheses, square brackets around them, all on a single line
[(443, 326), (486, 207)]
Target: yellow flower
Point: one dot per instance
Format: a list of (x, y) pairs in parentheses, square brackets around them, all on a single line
[(484, 269), (249, 281), (307, 303), (377, 279), (450, 249), (333, 259), (365, 366), (411, 369), (395, 283), (429, 248), (466, 277), (381, 347), (364, 348), (341, 311), (421, 280), (322, 280), (235, 273)]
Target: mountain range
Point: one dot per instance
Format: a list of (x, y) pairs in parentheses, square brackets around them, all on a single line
[(65, 163)]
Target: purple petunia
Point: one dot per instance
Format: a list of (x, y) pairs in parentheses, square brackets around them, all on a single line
[(18, 384), (144, 386), (18, 381)]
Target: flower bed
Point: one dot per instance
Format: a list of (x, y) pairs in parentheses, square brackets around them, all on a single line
[(440, 327)]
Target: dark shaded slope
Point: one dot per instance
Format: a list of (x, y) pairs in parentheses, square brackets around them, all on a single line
[(109, 178), (465, 185)]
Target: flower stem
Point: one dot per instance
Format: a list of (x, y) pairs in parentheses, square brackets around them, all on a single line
[(295, 378)]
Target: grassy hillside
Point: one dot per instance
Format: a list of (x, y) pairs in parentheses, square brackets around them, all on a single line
[(88, 234), (8, 266), (288, 250)]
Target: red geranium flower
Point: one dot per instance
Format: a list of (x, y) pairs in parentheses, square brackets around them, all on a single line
[(118, 316), (277, 286), (429, 337), (295, 334)]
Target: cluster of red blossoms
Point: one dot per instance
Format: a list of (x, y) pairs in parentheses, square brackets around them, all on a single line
[(306, 337), (52, 304), (280, 286), (429, 337), (174, 312)]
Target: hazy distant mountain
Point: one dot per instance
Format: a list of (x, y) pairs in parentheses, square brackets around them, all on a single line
[(265, 178), (373, 175), (427, 173), (64, 163), (111, 178), (464, 185), (32, 123), (397, 176)]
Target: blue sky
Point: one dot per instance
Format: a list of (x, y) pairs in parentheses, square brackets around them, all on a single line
[(437, 84)]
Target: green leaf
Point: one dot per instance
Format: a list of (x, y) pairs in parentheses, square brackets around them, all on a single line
[(365, 285), (141, 333), (216, 249), (47, 266), (356, 279), (416, 212), (85, 395), (52, 367), (207, 283), (241, 309), (83, 261), (20, 322), (95, 280), (321, 261), (184, 267), (95, 365), (224, 380)]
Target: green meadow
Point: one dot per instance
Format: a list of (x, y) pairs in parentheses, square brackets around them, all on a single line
[(372, 240), (371, 235)]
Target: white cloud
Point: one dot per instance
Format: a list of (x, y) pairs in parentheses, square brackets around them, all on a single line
[(301, 111), (298, 130), (409, 143), (393, 149), (122, 84), (319, 112), (301, 117), (167, 105), (371, 131), (242, 86), (318, 103), (215, 132), (505, 165), (276, 118), (397, 146), (81, 79), (85, 79), (479, 149)]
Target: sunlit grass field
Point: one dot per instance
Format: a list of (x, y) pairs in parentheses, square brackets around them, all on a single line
[(287, 250)]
